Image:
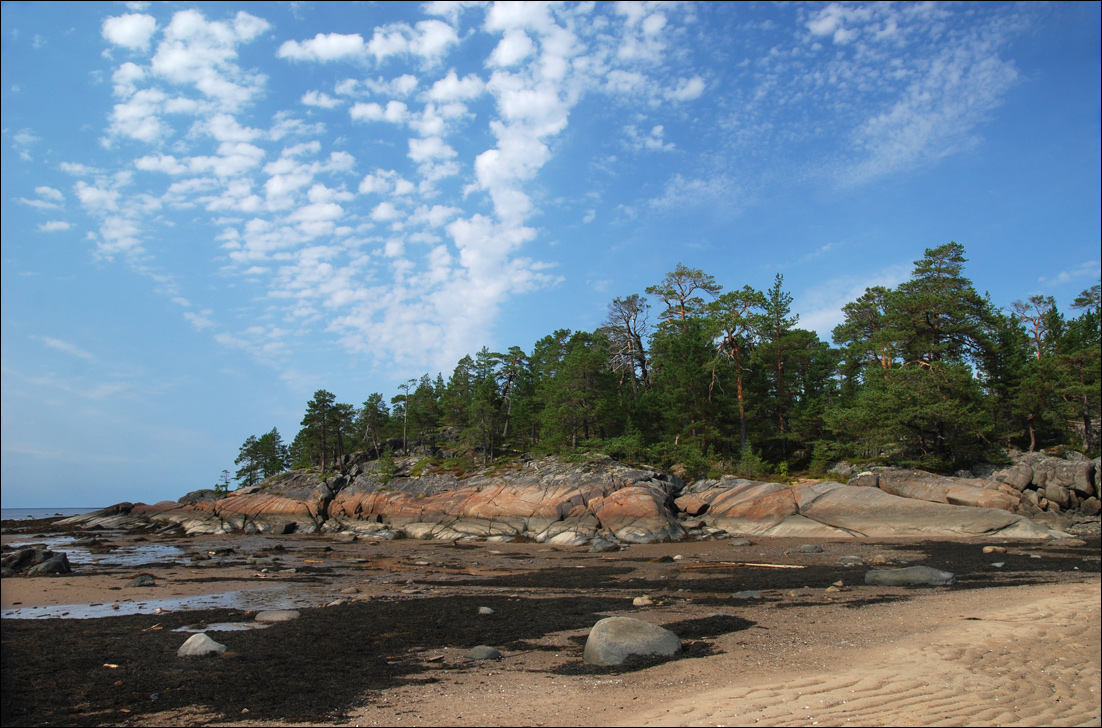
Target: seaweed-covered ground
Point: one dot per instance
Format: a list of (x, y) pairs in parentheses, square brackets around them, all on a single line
[(382, 619)]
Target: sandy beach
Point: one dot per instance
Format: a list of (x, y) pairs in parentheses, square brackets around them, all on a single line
[(386, 626)]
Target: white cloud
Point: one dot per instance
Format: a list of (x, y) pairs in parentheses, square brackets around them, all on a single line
[(321, 100), (935, 116), (719, 192), (54, 226), (139, 117), (203, 54), (652, 141), (428, 39), (1088, 269), (395, 112), (514, 47), (131, 31), (452, 88), (687, 89), (324, 47), (126, 77), (48, 199)]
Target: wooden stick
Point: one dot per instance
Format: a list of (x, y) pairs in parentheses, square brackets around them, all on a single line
[(719, 564)]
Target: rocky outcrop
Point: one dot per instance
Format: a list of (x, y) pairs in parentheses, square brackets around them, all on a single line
[(1032, 484), (549, 500), (834, 510), (35, 561), (599, 502), (1054, 484)]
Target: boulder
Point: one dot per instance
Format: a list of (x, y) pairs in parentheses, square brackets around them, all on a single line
[(956, 491), (873, 513), (56, 563), (1058, 494), (614, 639), (200, 645), (1018, 477)]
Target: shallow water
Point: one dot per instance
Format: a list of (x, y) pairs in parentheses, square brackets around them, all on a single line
[(275, 597), (123, 556)]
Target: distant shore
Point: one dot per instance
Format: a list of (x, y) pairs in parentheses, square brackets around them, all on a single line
[(23, 514)]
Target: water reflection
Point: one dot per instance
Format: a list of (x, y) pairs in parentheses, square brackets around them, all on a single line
[(276, 597)]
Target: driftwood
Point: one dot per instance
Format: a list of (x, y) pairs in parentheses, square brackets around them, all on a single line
[(728, 564)]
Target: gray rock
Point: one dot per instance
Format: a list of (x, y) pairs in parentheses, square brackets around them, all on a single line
[(1058, 494), (483, 652), (613, 639), (851, 561), (200, 645), (600, 546), (56, 564), (866, 479), (485, 610), (811, 548), (739, 541), (747, 594), (1091, 506), (841, 468), (1018, 477), (277, 615), (910, 576), (142, 580)]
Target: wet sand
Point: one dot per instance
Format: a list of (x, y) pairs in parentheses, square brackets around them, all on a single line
[(385, 628)]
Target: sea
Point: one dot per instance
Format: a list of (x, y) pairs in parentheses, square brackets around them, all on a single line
[(19, 514)]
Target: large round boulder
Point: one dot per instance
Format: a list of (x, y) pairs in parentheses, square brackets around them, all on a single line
[(614, 639)]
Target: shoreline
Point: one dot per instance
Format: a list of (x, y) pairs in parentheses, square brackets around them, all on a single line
[(386, 625)]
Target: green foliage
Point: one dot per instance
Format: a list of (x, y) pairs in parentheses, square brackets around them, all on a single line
[(927, 373), (261, 457), (750, 464), (387, 468), (418, 470), (222, 487), (823, 453)]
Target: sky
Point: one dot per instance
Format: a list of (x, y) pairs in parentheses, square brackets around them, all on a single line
[(212, 210)]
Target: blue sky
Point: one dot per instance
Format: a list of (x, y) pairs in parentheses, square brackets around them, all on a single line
[(211, 210)]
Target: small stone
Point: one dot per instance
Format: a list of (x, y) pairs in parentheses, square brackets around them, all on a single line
[(838, 583), (483, 652), (350, 590), (994, 549), (678, 557), (999, 564), (643, 601), (748, 594), (851, 561), (740, 542), (277, 615), (811, 548), (832, 589), (142, 580), (485, 610)]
